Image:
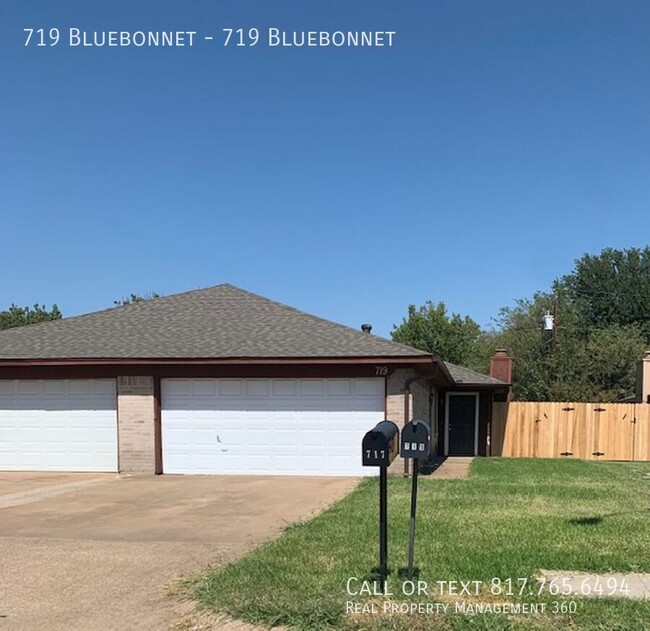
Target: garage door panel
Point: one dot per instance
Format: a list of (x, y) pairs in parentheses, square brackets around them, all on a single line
[(61, 425), (268, 426), (231, 436), (257, 387), (203, 387), (231, 387), (260, 438), (286, 464), (178, 386), (313, 451), (284, 387), (311, 438), (341, 438), (258, 465), (56, 387), (28, 387), (66, 407), (339, 387), (104, 387), (312, 387), (6, 389), (369, 387), (257, 425), (81, 386)]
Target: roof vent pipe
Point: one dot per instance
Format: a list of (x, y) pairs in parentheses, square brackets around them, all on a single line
[(366, 328)]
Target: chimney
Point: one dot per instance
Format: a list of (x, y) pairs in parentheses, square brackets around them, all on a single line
[(501, 365), (643, 379), (366, 328)]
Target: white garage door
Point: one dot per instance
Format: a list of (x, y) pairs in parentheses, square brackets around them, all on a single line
[(268, 426), (66, 425)]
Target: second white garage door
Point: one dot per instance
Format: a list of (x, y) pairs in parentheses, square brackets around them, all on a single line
[(268, 426)]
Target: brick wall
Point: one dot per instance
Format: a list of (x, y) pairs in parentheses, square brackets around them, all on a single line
[(395, 407), (418, 407), (135, 422)]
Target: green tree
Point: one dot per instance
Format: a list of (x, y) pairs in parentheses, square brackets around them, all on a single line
[(133, 298), (612, 287), (593, 359), (611, 355), (20, 316), (602, 330), (542, 373), (429, 327)]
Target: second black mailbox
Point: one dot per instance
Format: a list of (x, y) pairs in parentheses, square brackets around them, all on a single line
[(380, 445), (416, 439)]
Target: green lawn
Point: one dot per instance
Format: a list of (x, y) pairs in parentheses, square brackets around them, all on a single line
[(508, 520)]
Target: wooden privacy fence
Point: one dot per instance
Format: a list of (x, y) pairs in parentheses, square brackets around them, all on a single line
[(588, 431)]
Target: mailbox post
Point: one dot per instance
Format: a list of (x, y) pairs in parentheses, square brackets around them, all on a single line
[(416, 443), (380, 447)]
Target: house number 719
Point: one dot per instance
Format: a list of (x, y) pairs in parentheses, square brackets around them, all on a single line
[(381, 371)]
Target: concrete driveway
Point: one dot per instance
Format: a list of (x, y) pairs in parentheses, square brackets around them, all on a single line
[(81, 551)]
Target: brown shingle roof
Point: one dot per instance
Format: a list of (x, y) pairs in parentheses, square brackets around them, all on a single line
[(219, 322), (465, 376)]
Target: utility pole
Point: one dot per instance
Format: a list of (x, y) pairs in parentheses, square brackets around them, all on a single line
[(554, 331)]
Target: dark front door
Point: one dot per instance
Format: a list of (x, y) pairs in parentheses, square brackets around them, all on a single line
[(461, 417)]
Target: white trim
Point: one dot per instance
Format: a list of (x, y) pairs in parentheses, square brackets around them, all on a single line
[(461, 394)]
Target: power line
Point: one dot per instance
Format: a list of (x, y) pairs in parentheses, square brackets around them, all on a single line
[(607, 292)]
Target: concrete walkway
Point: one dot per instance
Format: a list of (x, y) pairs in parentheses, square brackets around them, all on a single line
[(452, 468)]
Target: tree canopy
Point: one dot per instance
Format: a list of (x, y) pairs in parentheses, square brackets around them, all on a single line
[(602, 330), (432, 329), (133, 298), (588, 363), (19, 316), (612, 288)]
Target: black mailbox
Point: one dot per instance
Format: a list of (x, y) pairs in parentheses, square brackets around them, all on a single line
[(416, 439), (380, 445)]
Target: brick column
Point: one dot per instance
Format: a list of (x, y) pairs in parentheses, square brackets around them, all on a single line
[(135, 423), (395, 407)]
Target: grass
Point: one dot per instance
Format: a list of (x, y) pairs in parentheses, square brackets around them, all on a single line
[(511, 518)]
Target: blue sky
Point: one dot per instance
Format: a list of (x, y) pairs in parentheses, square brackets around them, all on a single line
[(472, 162)]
